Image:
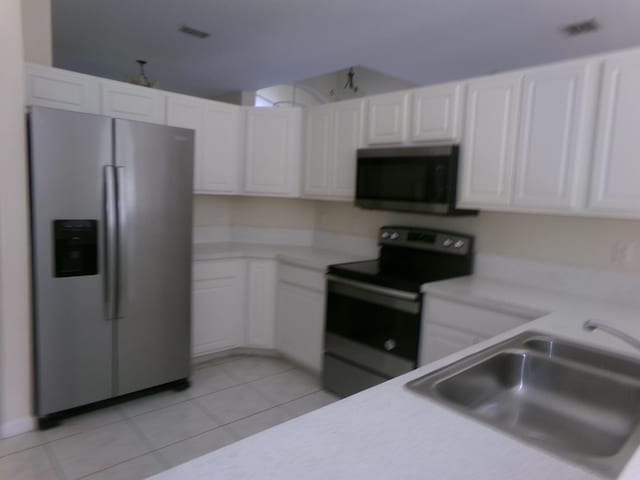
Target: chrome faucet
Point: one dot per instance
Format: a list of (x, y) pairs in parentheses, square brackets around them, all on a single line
[(591, 325)]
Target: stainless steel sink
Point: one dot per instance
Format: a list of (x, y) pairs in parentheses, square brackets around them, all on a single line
[(575, 401)]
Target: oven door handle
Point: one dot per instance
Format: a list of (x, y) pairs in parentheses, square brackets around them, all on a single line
[(390, 292), (387, 297)]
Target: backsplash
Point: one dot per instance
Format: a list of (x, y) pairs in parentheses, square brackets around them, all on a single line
[(575, 241)]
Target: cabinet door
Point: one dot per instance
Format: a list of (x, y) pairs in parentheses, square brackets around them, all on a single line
[(318, 149), (217, 306), (224, 133), (554, 144), (488, 148), (188, 112), (442, 341), (300, 325), (437, 113), (273, 151), (56, 88), (132, 102), (615, 184), (261, 307), (387, 118), (347, 138)]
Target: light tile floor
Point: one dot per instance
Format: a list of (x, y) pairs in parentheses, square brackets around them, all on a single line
[(229, 399)]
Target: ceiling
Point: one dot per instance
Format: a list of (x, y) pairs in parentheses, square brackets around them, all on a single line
[(259, 43)]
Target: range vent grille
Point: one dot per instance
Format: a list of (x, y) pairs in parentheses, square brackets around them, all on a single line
[(580, 28), (194, 32)]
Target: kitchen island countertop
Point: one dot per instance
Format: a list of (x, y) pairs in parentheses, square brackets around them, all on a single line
[(390, 432)]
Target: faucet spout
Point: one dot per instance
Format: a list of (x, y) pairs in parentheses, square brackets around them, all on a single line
[(591, 325)]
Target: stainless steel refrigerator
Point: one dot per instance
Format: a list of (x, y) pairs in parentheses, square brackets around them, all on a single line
[(111, 217)]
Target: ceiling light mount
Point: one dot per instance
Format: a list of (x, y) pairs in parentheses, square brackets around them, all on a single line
[(142, 79)]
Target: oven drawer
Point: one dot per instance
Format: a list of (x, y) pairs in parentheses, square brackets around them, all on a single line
[(344, 379)]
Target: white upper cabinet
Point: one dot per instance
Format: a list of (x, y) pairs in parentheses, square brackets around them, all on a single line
[(318, 150), (489, 144), (223, 147), (554, 143), (615, 186), (387, 118), (437, 113), (273, 152), (56, 88), (188, 112), (333, 135), (132, 102), (347, 139), (218, 141)]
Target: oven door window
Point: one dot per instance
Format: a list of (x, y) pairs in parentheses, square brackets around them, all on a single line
[(377, 321)]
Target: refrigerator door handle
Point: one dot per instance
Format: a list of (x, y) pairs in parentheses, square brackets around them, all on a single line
[(120, 311), (110, 235)]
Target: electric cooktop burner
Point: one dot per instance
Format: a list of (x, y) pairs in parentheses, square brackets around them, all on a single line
[(410, 257)]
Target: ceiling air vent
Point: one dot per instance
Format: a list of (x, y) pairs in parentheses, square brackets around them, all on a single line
[(193, 32), (580, 28)]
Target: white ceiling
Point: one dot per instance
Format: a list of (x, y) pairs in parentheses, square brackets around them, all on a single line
[(258, 43)]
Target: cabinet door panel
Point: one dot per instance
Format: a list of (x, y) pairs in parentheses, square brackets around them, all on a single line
[(347, 138), (131, 102), (217, 306), (386, 119), (56, 88), (224, 132), (555, 130), (262, 303), (188, 112), (273, 151), (615, 186), (300, 325), (318, 150), (437, 113), (489, 143)]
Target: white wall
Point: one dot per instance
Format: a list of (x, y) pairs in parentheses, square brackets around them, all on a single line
[(36, 25), (15, 315), (578, 241)]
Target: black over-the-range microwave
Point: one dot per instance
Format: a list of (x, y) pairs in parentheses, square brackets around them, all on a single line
[(409, 179)]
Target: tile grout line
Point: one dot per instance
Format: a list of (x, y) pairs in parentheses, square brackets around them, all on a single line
[(57, 467)]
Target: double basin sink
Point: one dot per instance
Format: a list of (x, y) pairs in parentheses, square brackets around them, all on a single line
[(577, 402)]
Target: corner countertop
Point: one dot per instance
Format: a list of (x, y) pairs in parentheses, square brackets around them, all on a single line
[(306, 257), (390, 432)]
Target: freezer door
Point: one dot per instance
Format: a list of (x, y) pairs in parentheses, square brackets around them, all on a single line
[(154, 174), (72, 334)]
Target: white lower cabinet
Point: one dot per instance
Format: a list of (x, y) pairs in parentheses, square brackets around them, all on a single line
[(218, 300), (261, 305), (300, 317), (441, 341), (449, 326)]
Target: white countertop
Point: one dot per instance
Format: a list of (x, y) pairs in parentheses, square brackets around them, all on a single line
[(389, 432), (307, 257)]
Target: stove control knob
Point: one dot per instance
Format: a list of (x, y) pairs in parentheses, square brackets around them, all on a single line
[(459, 244), (384, 235), (389, 344), (395, 236), (447, 242)]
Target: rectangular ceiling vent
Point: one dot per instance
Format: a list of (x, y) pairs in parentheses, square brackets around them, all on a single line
[(580, 28), (194, 32)]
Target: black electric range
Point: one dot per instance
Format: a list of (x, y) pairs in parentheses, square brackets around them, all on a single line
[(373, 309)]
